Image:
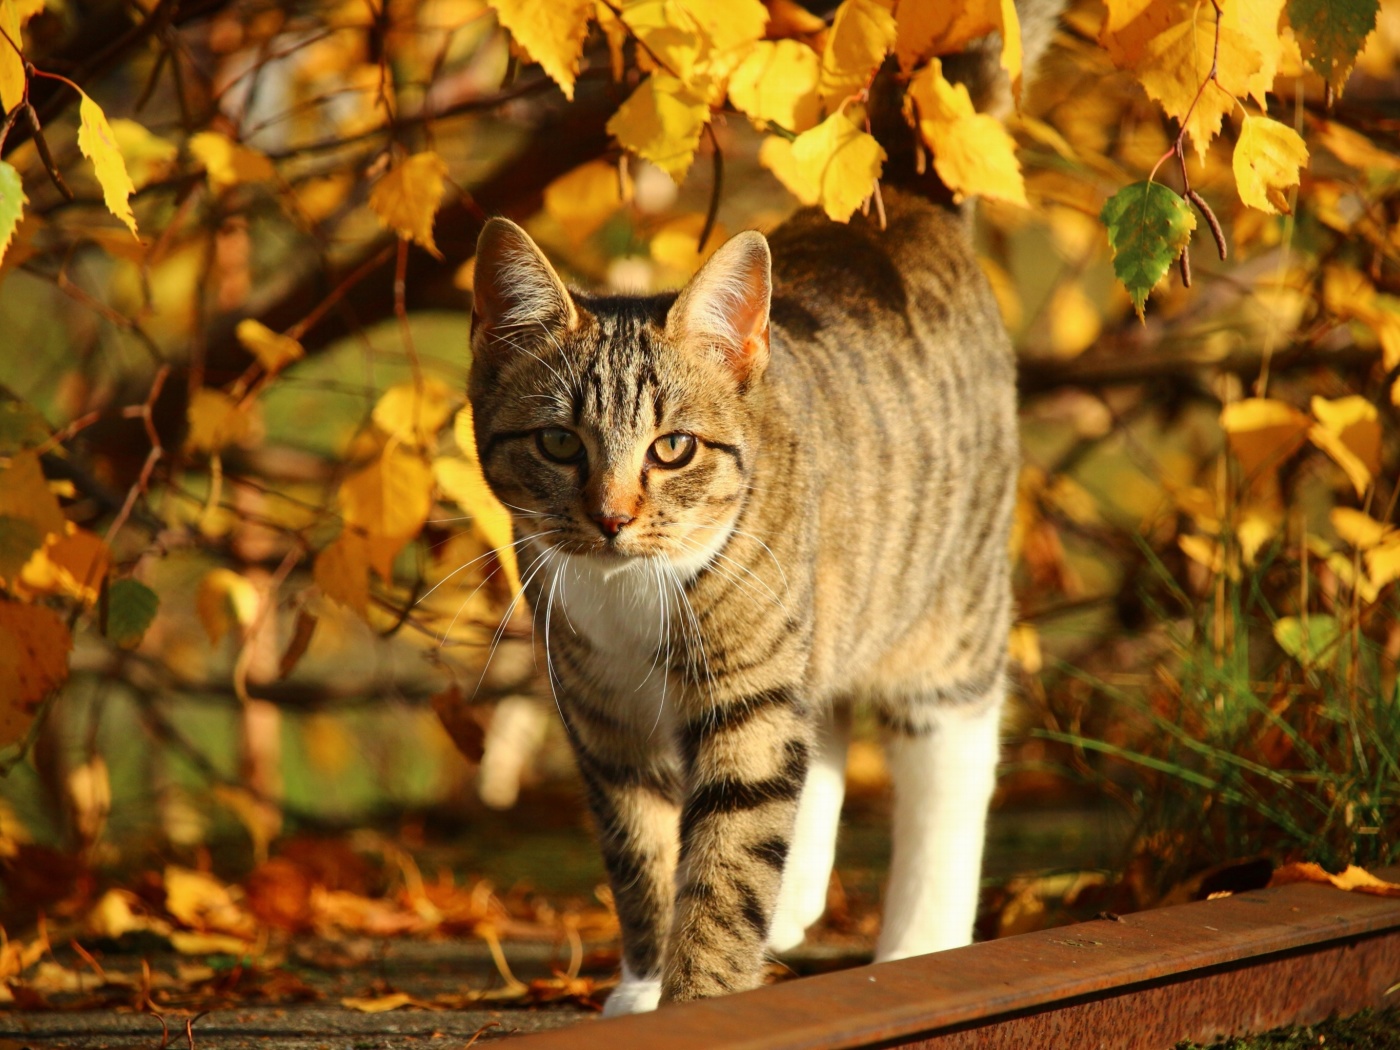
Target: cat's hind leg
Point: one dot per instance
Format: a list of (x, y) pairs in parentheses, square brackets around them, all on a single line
[(943, 753), (807, 872)]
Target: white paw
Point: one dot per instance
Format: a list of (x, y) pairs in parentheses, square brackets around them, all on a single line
[(786, 933), (634, 995)]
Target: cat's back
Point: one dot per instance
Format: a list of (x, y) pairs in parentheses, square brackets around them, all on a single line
[(891, 355)]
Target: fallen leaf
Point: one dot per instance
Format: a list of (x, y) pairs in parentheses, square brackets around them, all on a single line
[(383, 1003), (1313, 643), (1351, 878)]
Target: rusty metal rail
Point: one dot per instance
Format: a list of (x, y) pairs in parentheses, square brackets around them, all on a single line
[(1295, 954)]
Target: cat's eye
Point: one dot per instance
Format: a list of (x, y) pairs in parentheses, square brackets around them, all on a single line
[(560, 445), (673, 450)]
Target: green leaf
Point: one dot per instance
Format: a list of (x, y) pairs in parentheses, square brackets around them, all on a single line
[(131, 607), (1331, 33), (12, 202), (1315, 647), (1148, 226), (18, 540)]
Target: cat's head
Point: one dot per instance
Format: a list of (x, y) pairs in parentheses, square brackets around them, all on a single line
[(618, 428)]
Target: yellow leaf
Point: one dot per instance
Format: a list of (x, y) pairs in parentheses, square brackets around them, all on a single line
[(462, 482), (273, 351), (934, 27), (72, 562), (776, 155), (1170, 45), (12, 202), (408, 197), (12, 76), (99, 144), (661, 122), (861, 34), (585, 198), (201, 902), (227, 163), (777, 82), (413, 415), (380, 1003), (1266, 162), (1024, 647), (552, 31), (341, 571), (148, 157), (464, 433), (1075, 321), (216, 420), (841, 161), (187, 943), (224, 599), (1349, 430), (25, 494), (1353, 148), (1262, 433), (1383, 563), (972, 152), (34, 646), (1360, 530), (391, 496)]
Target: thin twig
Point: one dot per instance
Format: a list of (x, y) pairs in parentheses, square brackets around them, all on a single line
[(716, 188)]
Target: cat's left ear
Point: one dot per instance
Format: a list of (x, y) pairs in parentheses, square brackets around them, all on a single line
[(725, 305)]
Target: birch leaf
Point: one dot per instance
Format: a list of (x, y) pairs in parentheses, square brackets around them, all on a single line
[(861, 34), (777, 83), (12, 202), (551, 31), (412, 414), (99, 144), (1349, 430), (408, 197), (391, 496), (1331, 34), (661, 122), (12, 76), (273, 350), (1148, 226), (131, 609), (462, 481), (1266, 162), (933, 27), (841, 161), (1262, 432), (34, 645), (228, 163), (972, 152)]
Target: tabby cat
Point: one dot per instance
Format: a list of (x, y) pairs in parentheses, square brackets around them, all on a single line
[(741, 509)]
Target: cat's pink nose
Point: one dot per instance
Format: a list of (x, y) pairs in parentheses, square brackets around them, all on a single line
[(611, 524)]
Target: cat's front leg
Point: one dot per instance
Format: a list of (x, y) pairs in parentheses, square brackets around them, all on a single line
[(745, 759), (635, 804)]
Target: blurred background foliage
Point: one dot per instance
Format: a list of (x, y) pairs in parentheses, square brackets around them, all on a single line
[(249, 582)]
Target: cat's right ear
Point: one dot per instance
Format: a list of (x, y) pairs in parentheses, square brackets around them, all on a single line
[(515, 287)]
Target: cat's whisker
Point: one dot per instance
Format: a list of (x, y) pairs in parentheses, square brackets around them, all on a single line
[(732, 577), (494, 550), (757, 539), (533, 571)]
